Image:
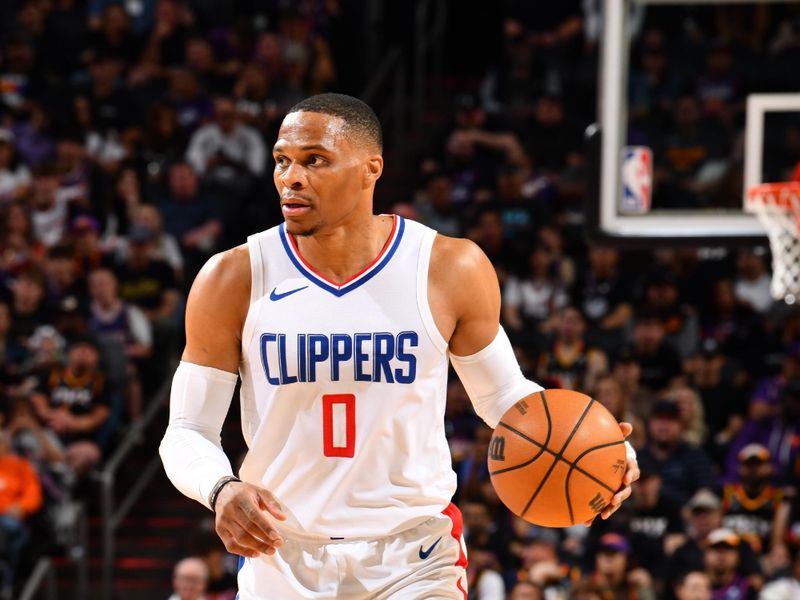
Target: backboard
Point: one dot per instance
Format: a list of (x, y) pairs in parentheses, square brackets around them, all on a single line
[(674, 158)]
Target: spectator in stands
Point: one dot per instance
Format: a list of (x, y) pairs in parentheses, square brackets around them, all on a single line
[(435, 205), (691, 160), (604, 295), (51, 207), (662, 298), (609, 392), (483, 576), (74, 402), (63, 281), (569, 363), (124, 334), (192, 107), (27, 307), (777, 434), (693, 585), (41, 447), (19, 247), (659, 362), (189, 580), (722, 560), (112, 36), (221, 569), (226, 148), (692, 416), (786, 587), (488, 233), (752, 284), (753, 508), (525, 590), (12, 353), (165, 246), (15, 177), (256, 100), (531, 300), (191, 215), (702, 514), (612, 574), (20, 497), (147, 282), (89, 252), (654, 521), (684, 468), (164, 142)]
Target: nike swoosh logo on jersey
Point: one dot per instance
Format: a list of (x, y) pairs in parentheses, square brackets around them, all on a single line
[(273, 295), (423, 554)]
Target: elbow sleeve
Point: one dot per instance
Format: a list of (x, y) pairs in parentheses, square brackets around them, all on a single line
[(191, 449), (493, 379)]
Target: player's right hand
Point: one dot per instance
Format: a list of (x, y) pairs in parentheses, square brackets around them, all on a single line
[(242, 522)]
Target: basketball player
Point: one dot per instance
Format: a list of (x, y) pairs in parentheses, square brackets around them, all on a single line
[(340, 324)]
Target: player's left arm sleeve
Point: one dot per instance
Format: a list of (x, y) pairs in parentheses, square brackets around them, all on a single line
[(493, 379), (191, 449)]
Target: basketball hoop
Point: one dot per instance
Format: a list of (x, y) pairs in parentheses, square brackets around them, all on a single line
[(777, 206)]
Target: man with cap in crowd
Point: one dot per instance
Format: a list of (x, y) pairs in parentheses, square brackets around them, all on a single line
[(653, 520), (778, 433), (703, 515), (723, 561), (754, 508), (74, 402), (613, 573), (684, 468)]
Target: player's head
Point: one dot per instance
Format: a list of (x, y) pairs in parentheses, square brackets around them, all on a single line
[(327, 160)]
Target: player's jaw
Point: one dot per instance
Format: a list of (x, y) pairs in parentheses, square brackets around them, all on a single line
[(298, 212)]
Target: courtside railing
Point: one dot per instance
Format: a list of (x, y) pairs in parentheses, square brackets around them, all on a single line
[(113, 512)]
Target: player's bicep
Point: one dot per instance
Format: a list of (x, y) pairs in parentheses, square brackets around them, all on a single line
[(477, 301), (215, 311)]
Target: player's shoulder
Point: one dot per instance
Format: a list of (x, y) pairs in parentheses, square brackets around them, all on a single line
[(226, 275), (458, 257)]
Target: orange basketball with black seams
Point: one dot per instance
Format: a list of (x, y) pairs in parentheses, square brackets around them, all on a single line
[(556, 458)]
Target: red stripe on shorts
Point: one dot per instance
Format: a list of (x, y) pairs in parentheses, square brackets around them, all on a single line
[(452, 512)]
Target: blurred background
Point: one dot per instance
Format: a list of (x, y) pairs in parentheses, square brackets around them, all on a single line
[(135, 142)]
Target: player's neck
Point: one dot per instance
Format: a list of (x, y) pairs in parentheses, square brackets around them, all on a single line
[(341, 252)]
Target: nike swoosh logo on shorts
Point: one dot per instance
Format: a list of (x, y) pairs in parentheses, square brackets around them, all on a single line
[(423, 554), (273, 295)]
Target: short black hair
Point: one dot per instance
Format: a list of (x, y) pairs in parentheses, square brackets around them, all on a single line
[(357, 114)]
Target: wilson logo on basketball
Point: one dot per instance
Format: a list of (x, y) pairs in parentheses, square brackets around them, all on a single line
[(597, 503), (522, 407), (497, 448)]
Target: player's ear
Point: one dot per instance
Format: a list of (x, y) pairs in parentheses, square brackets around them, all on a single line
[(373, 167)]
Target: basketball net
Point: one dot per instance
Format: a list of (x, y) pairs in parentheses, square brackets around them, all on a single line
[(777, 206)]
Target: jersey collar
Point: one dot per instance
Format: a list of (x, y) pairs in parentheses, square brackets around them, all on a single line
[(360, 278)]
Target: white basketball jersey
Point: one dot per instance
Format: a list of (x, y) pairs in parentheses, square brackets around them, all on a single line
[(343, 388)]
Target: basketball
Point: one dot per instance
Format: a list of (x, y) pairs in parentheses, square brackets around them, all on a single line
[(556, 458)]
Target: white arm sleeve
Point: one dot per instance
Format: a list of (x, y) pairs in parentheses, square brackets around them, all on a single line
[(493, 379), (191, 449)]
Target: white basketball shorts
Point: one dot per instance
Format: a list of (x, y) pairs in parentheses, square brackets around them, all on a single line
[(428, 561)]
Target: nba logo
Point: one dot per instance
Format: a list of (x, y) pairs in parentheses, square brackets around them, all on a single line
[(637, 180)]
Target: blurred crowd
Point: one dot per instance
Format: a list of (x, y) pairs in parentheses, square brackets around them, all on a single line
[(685, 343), (134, 143)]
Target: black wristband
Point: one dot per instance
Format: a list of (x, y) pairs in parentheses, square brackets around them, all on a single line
[(212, 497)]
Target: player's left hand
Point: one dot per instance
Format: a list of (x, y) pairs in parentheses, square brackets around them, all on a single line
[(631, 475)]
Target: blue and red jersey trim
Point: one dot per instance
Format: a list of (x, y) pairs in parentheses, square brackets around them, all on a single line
[(341, 288)]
